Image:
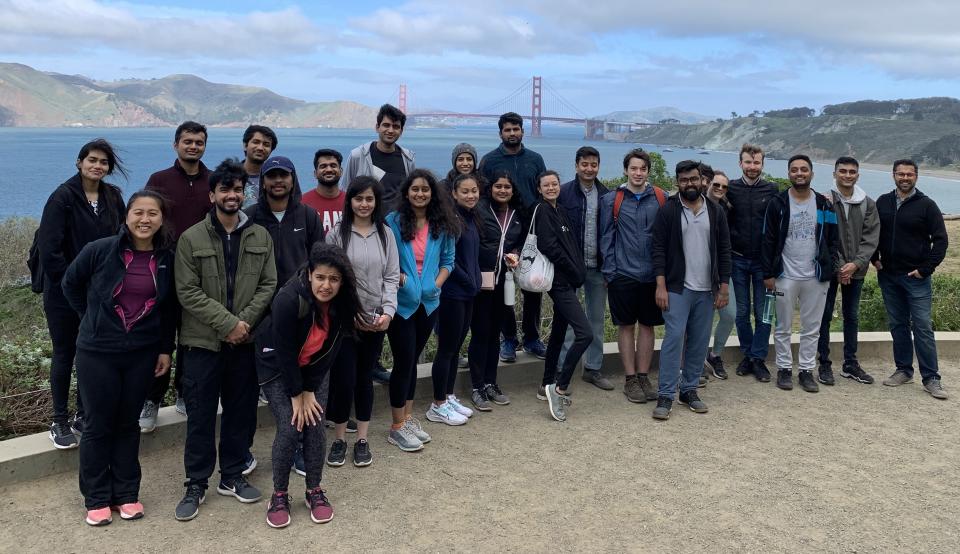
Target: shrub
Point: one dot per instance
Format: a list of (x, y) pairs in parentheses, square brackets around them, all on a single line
[(16, 236)]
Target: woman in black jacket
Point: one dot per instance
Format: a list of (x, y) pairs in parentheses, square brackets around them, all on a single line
[(122, 288), (556, 241), (81, 210), (297, 345), (500, 241)]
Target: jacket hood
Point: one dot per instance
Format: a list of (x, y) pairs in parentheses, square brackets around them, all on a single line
[(295, 193), (245, 221), (859, 195)]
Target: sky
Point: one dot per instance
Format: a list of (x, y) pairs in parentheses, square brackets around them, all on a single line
[(707, 57)]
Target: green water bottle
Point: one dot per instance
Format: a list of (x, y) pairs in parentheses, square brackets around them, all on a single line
[(769, 307)]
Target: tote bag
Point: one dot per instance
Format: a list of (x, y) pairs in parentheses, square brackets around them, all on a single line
[(536, 271)]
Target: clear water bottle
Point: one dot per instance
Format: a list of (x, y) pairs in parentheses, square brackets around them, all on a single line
[(769, 308), (509, 290)]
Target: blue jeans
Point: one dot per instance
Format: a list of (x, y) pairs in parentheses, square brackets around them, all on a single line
[(595, 299), (909, 305), (689, 315), (728, 315), (850, 299), (753, 343)]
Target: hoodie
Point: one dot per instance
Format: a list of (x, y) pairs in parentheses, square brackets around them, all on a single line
[(859, 227), (360, 162)]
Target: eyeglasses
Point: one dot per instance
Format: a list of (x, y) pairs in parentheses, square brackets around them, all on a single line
[(719, 186), (904, 175)]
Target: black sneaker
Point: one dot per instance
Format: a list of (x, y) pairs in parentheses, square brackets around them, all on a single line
[(825, 375), (338, 453), (807, 382), (361, 453), (299, 466), (852, 370), (716, 366), (664, 405), (381, 375), (745, 367), (760, 370), (62, 437), (240, 489), (76, 425), (189, 505), (692, 400), (784, 379)]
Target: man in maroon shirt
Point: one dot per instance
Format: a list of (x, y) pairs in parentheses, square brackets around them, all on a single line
[(327, 198)]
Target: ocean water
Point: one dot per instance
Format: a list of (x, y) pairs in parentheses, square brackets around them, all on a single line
[(40, 159)]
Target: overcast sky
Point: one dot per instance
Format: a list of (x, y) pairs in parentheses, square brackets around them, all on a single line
[(709, 57)]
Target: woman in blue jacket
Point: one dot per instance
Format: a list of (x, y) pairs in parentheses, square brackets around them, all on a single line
[(426, 230)]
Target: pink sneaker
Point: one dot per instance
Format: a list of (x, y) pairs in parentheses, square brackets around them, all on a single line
[(278, 512), (99, 517), (320, 509), (133, 510)]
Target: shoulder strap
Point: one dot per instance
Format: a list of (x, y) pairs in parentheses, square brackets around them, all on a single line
[(660, 194), (616, 206), (533, 219)]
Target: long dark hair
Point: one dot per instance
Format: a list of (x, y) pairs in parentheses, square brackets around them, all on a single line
[(163, 239), (113, 160), (346, 304), (363, 183), (440, 216), (455, 184), (487, 191)]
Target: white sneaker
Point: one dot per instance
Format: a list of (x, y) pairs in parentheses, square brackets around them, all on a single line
[(444, 413), (454, 403), (412, 425)]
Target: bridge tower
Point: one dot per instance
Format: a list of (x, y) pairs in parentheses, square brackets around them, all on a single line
[(403, 98), (536, 107)]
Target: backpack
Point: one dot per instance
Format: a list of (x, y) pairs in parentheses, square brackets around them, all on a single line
[(657, 191), (34, 265)]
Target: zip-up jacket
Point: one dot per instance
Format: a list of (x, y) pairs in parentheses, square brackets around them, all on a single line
[(573, 202), (748, 208), (491, 252), (913, 237), (91, 286), (360, 162), (668, 256), (556, 241), (216, 293), (775, 227), (859, 229), (420, 288), (283, 333), (524, 166), (188, 198), (626, 247), (68, 224), (464, 281), (376, 266)]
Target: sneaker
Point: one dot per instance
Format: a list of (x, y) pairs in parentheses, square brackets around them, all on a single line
[(240, 489), (180, 406), (381, 375), (413, 425), (760, 370), (536, 348), (129, 511), (715, 365), (320, 509), (495, 395), (479, 399), (632, 390), (693, 402), (597, 379), (664, 406), (278, 511), (648, 389), (299, 466), (189, 505), (338, 453), (557, 402), (784, 379), (99, 517), (702, 382), (445, 413), (852, 370), (62, 437), (263, 398), (76, 425), (807, 383), (403, 439), (541, 393), (745, 367), (508, 351), (458, 407), (463, 362), (935, 389), (249, 464), (898, 378), (148, 417), (825, 375), (361, 453)]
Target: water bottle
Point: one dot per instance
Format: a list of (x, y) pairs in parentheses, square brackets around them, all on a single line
[(769, 308), (509, 290)]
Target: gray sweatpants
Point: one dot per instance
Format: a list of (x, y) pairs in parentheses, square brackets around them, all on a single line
[(812, 296), (288, 438)]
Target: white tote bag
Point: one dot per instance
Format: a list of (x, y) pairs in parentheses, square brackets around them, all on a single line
[(536, 271)]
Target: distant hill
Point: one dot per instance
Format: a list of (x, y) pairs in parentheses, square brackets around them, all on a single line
[(926, 129), (31, 98), (655, 115)]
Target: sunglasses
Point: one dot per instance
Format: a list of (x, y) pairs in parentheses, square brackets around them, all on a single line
[(719, 186)]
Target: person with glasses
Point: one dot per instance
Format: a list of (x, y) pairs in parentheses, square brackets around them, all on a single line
[(717, 192)]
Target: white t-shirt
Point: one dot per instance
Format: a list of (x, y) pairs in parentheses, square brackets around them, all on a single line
[(800, 247)]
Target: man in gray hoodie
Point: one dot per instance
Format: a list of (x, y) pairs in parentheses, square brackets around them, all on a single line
[(859, 227), (382, 159)]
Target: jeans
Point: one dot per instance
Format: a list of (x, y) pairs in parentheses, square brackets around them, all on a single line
[(812, 295), (287, 439), (728, 315), (595, 301), (754, 343), (686, 336), (407, 339), (566, 311), (909, 305), (850, 299), (350, 382), (452, 326), (531, 318), (64, 325)]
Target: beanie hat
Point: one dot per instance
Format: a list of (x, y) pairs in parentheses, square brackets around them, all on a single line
[(464, 148)]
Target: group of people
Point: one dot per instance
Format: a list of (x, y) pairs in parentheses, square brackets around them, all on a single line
[(260, 290)]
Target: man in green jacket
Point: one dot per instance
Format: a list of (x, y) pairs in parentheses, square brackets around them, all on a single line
[(225, 278)]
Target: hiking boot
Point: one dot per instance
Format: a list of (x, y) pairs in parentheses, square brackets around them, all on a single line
[(935, 389), (412, 424), (633, 391), (807, 383), (852, 370), (240, 489), (536, 348), (278, 511), (557, 402), (62, 437), (649, 390), (463, 362), (320, 509), (898, 378), (597, 379), (715, 364), (760, 370), (361, 453), (745, 367), (189, 505), (403, 439), (76, 425), (784, 379), (495, 395), (444, 413), (693, 402), (338, 453), (508, 351), (458, 407), (249, 464), (825, 375), (99, 517), (129, 511), (479, 399), (380, 375), (148, 417), (664, 405)]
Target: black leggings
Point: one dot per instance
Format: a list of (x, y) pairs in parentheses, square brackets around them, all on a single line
[(287, 439), (566, 311), (483, 351), (63, 324), (407, 339), (452, 326), (350, 380)]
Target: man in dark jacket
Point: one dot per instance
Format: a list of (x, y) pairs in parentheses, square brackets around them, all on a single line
[(691, 260), (913, 242), (748, 197), (799, 256), (580, 202), (523, 165)]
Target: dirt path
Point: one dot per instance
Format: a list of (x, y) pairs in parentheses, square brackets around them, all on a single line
[(854, 468)]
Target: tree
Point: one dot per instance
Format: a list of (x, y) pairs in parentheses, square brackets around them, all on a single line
[(792, 113), (733, 115), (669, 121)]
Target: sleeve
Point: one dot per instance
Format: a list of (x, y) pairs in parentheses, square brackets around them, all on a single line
[(548, 243), (768, 243), (350, 170), (77, 278), (607, 238), (723, 247), (314, 228), (391, 275), (937, 231), (284, 318), (50, 238), (192, 297), (266, 287), (168, 318), (448, 252), (870, 237), (658, 252), (833, 237)]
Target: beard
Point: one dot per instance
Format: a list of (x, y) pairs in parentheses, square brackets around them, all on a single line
[(690, 194)]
